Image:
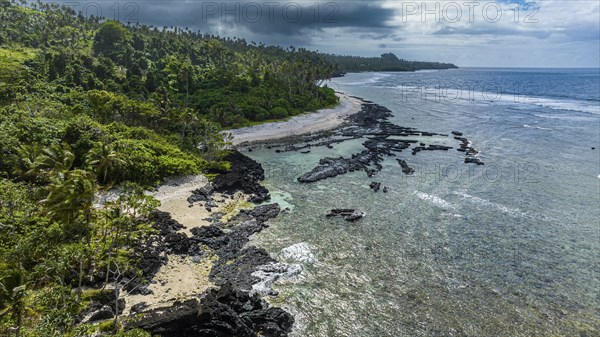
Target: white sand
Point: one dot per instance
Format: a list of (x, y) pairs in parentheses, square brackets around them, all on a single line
[(181, 277), (321, 120), (173, 200)]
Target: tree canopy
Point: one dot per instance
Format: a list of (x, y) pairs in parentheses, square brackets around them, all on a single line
[(387, 62)]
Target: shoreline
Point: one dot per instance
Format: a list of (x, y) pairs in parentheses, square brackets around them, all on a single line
[(208, 261), (318, 121), (168, 284), (200, 262)]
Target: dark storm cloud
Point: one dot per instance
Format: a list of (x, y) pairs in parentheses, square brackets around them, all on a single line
[(288, 18), (381, 36)]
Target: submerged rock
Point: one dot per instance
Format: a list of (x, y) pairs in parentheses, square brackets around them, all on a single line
[(329, 168), (471, 160), (347, 214), (375, 186), (405, 168)]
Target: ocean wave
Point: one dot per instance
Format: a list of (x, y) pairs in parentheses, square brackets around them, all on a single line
[(537, 127), (565, 117), (567, 105), (487, 203), (300, 252), (376, 77), (435, 200), (462, 95)]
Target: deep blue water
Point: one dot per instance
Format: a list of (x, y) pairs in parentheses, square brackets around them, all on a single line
[(507, 249)]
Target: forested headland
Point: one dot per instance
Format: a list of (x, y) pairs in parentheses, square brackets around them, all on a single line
[(386, 62)]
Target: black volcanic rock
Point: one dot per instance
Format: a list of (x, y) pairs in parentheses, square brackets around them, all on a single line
[(245, 175), (382, 139), (471, 160), (405, 168), (347, 214), (201, 194), (265, 212), (329, 168), (375, 186), (223, 312)]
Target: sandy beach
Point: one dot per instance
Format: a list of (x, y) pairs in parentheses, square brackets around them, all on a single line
[(320, 120), (184, 277)]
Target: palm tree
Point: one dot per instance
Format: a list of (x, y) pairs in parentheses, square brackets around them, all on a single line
[(55, 159), (25, 162), (103, 158), (70, 195), (187, 118), (12, 294), (218, 113)]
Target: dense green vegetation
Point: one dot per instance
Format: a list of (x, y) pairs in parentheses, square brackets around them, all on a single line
[(87, 105), (387, 62)]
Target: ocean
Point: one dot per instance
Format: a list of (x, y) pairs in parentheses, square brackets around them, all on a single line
[(510, 248)]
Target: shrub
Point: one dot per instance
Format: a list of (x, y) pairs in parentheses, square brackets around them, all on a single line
[(278, 112)]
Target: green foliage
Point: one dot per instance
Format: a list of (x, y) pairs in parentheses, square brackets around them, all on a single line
[(387, 62), (86, 107), (112, 40), (278, 112)]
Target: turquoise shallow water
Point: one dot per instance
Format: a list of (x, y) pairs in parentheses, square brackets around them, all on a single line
[(507, 249)]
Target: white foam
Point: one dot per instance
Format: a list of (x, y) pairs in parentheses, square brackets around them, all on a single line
[(269, 273), (300, 252), (490, 204), (568, 105), (536, 127), (566, 117), (466, 95), (375, 77), (435, 200)]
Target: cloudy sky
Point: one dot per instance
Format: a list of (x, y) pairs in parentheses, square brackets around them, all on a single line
[(506, 33)]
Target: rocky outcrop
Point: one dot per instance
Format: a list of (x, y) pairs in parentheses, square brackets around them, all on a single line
[(245, 176), (103, 305), (347, 214), (223, 312), (383, 139), (242, 272), (470, 152), (331, 167), (204, 193), (405, 168), (375, 186)]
